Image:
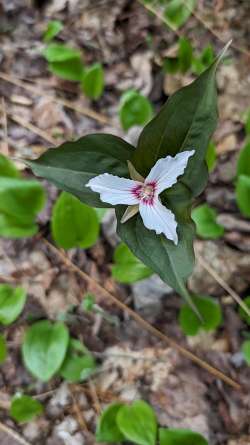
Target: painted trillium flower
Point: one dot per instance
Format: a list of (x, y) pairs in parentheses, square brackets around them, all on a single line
[(142, 195)]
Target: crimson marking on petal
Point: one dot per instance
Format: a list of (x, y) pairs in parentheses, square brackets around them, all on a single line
[(136, 191)]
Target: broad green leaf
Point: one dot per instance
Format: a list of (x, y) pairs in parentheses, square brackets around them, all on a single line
[(205, 220), (242, 312), (21, 199), (107, 428), (53, 28), (12, 301), (69, 69), (171, 65), (3, 349), (243, 166), (185, 54), (44, 348), (128, 268), (11, 227), (211, 316), (78, 364), (64, 61), (93, 81), (246, 351), (73, 223), (174, 436), (138, 423), (243, 194), (25, 408), (211, 156), (135, 109), (58, 52), (73, 164), (177, 12), (8, 168)]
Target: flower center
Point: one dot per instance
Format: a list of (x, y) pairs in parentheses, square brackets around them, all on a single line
[(145, 192)]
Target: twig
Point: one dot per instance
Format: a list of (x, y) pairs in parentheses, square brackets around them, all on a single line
[(6, 429), (185, 352), (66, 103), (5, 129), (43, 134), (94, 396), (222, 283), (78, 411)]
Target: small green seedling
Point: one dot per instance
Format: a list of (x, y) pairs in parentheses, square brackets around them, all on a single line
[(78, 364), (12, 301), (210, 312), (73, 223), (135, 109), (24, 408), (64, 61), (20, 202), (89, 305), (127, 268), (44, 348), (53, 28), (206, 225), (93, 81)]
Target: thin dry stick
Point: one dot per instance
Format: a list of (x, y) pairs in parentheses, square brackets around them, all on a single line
[(5, 129), (222, 283), (43, 134), (94, 396), (78, 411), (6, 429), (185, 352), (66, 103)]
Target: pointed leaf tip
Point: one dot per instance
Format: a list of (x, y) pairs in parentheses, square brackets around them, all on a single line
[(223, 51)]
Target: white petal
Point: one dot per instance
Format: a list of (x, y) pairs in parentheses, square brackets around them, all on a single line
[(166, 171), (113, 189), (159, 218)]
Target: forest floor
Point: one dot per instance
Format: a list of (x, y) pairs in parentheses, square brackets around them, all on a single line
[(133, 364)]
